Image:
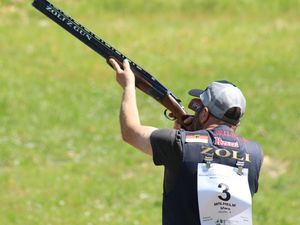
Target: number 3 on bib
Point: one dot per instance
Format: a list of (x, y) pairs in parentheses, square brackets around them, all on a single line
[(225, 191), (223, 195)]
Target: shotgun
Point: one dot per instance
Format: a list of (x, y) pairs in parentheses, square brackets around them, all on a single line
[(143, 80)]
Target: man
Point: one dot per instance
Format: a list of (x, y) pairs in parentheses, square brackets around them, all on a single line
[(211, 173)]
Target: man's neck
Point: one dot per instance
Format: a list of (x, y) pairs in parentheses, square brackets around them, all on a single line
[(214, 125)]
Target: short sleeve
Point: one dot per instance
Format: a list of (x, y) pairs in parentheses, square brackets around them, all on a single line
[(166, 147)]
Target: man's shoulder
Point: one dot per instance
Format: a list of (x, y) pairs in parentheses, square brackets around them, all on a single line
[(163, 137), (166, 147), (163, 133)]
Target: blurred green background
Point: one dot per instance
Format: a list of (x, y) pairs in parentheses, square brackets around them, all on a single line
[(62, 160)]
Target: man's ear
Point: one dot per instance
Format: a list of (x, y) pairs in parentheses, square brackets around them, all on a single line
[(204, 115)]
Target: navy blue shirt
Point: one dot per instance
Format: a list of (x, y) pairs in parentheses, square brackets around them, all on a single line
[(181, 151)]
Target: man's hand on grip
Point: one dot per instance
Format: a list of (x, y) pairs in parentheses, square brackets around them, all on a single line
[(187, 121)]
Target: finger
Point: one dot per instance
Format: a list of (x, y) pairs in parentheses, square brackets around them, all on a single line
[(115, 65), (126, 64), (188, 120)]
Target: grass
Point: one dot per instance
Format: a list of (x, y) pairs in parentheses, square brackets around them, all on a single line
[(62, 159)]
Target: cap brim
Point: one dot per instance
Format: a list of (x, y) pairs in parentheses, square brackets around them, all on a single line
[(196, 92)]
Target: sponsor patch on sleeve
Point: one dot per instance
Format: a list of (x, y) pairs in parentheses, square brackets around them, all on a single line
[(196, 138)]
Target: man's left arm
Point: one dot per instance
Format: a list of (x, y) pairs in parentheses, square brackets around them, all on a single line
[(133, 132)]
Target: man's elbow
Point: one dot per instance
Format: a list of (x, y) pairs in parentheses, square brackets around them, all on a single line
[(138, 137), (127, 136)]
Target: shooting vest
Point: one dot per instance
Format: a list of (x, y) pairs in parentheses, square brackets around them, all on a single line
[(218, 168)]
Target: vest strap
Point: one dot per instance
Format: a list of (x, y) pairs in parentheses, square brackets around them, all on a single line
[(240, 166), (208, 159)]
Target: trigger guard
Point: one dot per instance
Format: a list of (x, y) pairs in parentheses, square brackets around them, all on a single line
[(168, 117)]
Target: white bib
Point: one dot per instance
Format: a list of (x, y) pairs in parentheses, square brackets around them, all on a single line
[(224, 196)]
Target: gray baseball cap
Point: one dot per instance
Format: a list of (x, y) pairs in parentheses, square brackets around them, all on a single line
[(219, 97)]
